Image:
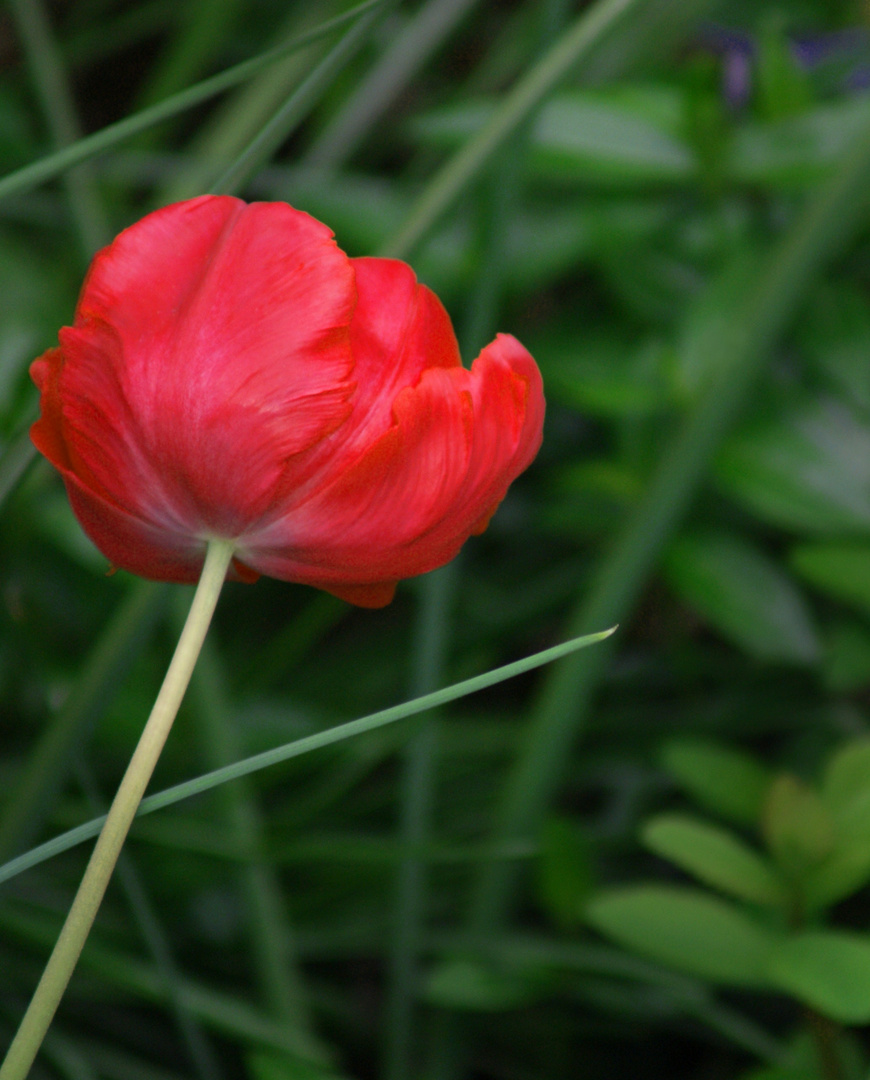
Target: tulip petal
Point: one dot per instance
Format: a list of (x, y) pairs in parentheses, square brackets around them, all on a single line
[(218, 335), (143, 548), (399, 329), (436, 476), (368, 596)]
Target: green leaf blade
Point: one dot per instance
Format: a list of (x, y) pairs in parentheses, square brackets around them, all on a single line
[(716, 857), (686, 929)]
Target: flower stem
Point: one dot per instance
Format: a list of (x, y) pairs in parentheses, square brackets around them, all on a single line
[(84, 908)]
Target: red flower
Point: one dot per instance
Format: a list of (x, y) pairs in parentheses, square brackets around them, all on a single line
[(230, 373)]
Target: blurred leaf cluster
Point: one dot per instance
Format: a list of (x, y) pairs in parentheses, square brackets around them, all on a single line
[(667, 202)]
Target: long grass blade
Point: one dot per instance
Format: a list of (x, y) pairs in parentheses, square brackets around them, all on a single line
[(108, 137), (32, 794), (371, 99), (52, 84), (581, 38), (294, 109), (305, 745)]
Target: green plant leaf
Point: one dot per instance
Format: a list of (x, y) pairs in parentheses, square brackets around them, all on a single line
[(744, 595), (565, 873), (722, 779), (846, 659), (624, 138), (841, 570), (797, 826), (799, 150), (845, 870), (846, 787), (686, 929), (715, 856), (829, 970), (807, 468), (476, 987)]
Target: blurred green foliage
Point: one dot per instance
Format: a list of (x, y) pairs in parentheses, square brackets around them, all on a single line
[(667, 201)]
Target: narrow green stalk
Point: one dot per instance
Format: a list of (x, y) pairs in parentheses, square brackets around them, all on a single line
[(84, 908), (838, 210)]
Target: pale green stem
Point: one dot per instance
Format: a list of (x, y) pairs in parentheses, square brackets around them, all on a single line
[(84, 908)]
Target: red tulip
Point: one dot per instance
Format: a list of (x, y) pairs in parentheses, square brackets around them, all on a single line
[(230, 373)]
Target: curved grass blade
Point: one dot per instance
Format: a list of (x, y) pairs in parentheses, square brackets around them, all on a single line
[(53, 87), (242, 113), (406, 53), (54, 164), (294, 109), (50, 760), (303, 746), (570, 49)]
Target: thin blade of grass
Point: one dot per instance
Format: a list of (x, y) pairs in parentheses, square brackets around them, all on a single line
[(112, 656), (406, 53), (108, 137), (579, 41), (295, 108), (241, 115), (305, 745), (52, 84)]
